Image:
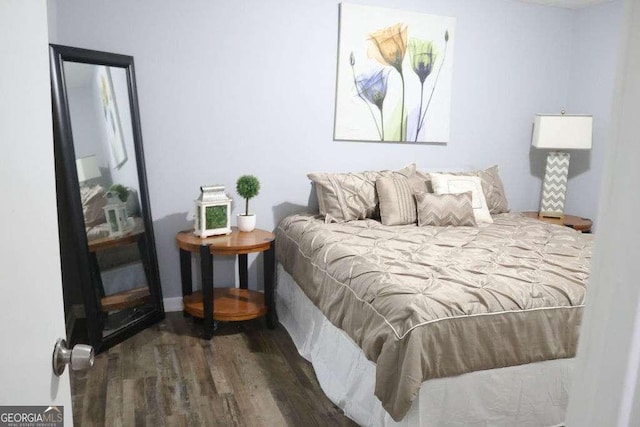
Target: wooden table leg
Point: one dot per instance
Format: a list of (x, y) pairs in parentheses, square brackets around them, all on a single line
[(269, 276), (185, 275), (206, 271), (243, 271)]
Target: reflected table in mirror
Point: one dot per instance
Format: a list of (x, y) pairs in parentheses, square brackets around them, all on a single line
[(124, 299)]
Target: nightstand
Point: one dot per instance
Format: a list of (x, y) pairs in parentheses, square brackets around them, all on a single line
[(577, 223), (230, 303)]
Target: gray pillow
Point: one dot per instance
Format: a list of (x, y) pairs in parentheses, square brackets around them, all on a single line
[(92, 203), (492, 187), (350, 196), (397, 204), (455, 184), (445, 209), (493, 190)]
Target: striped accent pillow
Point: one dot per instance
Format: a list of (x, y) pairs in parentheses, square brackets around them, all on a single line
[(351, 196), (445, 209), (397, 205)]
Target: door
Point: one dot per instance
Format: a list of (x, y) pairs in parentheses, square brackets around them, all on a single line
[(31, 305)]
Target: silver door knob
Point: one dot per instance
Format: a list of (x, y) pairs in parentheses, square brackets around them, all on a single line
[(80, 357)]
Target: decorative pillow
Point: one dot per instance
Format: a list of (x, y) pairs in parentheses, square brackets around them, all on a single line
[(420, 183), (454, 184), (351, 196), (397, 205), (92, 203), (425, 177), (493, 190), (445, 209), (491, 187)]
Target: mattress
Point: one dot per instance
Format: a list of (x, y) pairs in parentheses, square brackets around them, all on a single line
[(436, 302), (535, 394)]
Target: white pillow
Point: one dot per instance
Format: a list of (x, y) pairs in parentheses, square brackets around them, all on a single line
[(456, 184)]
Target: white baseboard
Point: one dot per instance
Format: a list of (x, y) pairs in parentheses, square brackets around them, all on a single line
[(172, 304)]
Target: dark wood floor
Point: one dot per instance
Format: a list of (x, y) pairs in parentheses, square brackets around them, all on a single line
[(246, 375)]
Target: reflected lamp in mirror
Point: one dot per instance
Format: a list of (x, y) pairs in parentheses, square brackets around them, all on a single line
[(116, 213), (87, 168), (213, 212), (558, 133)]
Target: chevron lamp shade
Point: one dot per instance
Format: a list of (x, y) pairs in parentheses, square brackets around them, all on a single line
[(559, 132)]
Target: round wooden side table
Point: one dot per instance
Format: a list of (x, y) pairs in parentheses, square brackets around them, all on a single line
[(230, 303), (577, 223)]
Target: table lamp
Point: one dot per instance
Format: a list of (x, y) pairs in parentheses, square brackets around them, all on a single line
[(559, 132), (87, 168)]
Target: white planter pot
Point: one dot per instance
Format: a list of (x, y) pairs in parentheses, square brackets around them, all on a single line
[(246, 223)]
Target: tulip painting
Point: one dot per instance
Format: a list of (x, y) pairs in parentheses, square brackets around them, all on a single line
[(372, 88), (394, 75)]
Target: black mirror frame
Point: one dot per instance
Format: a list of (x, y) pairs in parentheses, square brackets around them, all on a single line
[(75, 262)]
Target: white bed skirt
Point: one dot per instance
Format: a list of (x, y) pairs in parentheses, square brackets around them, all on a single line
[(526, 395)]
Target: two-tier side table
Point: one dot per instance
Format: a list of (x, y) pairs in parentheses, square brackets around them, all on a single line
[(129, 298), (228, 303)]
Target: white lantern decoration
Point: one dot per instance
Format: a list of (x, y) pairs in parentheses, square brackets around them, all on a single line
[(116, 213), (213, 212)]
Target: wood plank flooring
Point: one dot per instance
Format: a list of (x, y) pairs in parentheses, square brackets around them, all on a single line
[(247, 375)]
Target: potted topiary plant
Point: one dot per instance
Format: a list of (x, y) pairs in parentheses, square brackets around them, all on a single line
[(123, 194), (121, 191), (247, 187)]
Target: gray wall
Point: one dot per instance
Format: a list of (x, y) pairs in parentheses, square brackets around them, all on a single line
[(594, 61), (127, 174), (235, 87), (87, 137), (89, 127)]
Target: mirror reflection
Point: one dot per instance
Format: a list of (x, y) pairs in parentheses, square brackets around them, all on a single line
[(105, 154)]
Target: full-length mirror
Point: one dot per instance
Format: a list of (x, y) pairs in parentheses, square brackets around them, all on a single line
[(109, 265)]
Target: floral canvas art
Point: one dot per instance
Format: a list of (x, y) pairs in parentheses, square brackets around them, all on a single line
[(394, 75), (113, 127)]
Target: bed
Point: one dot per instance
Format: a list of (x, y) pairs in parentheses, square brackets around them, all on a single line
[(444, 325)]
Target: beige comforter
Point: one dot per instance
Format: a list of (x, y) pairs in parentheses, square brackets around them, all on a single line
[(430, 302)]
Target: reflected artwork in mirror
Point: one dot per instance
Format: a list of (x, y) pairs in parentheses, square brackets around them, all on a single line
[(109, 267)]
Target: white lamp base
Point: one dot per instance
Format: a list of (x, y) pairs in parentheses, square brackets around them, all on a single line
[(554, 187)]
